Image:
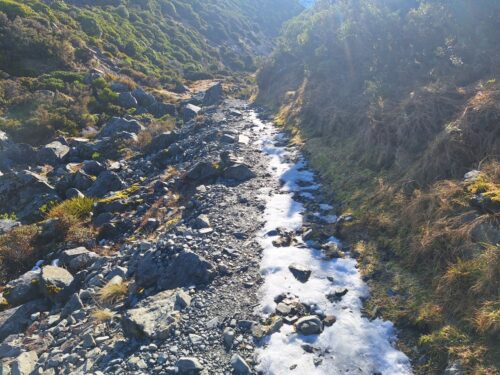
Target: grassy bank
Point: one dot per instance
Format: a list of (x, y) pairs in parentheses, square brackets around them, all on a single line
[(394, 104)]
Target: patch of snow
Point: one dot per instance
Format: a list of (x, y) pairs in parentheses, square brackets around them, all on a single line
[(354, 344)]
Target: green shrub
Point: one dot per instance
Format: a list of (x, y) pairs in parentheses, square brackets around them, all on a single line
[(78, 207), (14, 9)]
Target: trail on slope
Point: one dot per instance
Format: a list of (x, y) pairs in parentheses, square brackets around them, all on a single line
[(354, 344)]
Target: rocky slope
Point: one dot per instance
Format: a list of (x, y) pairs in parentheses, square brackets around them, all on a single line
[(170, 275)]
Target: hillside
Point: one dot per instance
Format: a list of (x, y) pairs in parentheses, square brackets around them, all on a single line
[(395, 101), (49, 46)]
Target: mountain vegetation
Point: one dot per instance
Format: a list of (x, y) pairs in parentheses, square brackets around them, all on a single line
[(49, 45), (395, 101)]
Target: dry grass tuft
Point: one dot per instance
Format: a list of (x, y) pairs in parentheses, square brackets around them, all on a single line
[(102, 315), (17, 251), (112, 292)]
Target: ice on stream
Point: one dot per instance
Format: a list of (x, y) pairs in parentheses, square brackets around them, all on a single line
[(354, 344)]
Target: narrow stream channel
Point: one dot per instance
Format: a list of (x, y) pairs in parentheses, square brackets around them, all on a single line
[(354, 344)]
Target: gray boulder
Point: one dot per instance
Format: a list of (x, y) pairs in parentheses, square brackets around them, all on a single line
[(185, 269), (77, 259), (153, 318), (147, 271), (82, 181), (53, 153), (55, 283), (117, 125), (189, 112), (214, 95), (106, 182), (239, 172), (162, 142), (188, 366), (240, 367), (23, 289), (11, 347), (16, 320), (126, 100), (143, 98), (74, 303), (203, 171), (202, 221), (93, 167), (8, 225), (309, 325), (24, 364), (25, 193), (162, 109)]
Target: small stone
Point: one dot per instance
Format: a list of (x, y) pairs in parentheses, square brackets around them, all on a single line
[(228, 338), (88, 341), (329, 320), (283, 309), (309, 325), (300, 272)]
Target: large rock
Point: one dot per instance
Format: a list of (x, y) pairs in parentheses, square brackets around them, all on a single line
[(162, 142), (117, 125), (55, 283), (77, 259), (155, 317), (147, 271), (106, 182), (23, 289), (203, 171), (186, 269), (16, 320), (240, 367), (162, 109), (25, 193), (82, 181), (93, 167), (189, 112), (239, 172), (7, 225), (53, 153), (188, 366), (74, 303), (126, 100), (214, 95), (143, 98), (309, 325), (24, 364)]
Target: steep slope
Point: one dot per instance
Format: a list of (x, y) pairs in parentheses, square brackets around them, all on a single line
[(48, 47), (395, 101)]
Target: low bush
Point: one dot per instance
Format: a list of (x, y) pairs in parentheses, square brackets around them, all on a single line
[(17, 252)]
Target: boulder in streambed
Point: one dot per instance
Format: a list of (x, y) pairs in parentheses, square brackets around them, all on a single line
[(300, 272), (309, 325)]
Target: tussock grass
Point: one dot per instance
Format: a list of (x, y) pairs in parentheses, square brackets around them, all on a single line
[(17, 251), (78, 208), (102, 315), (112, 292)]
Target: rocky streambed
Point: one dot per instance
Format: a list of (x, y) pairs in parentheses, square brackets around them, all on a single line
[(226, 264)]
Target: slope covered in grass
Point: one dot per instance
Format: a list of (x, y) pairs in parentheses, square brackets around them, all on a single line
[(395, 100), (48, 47)]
